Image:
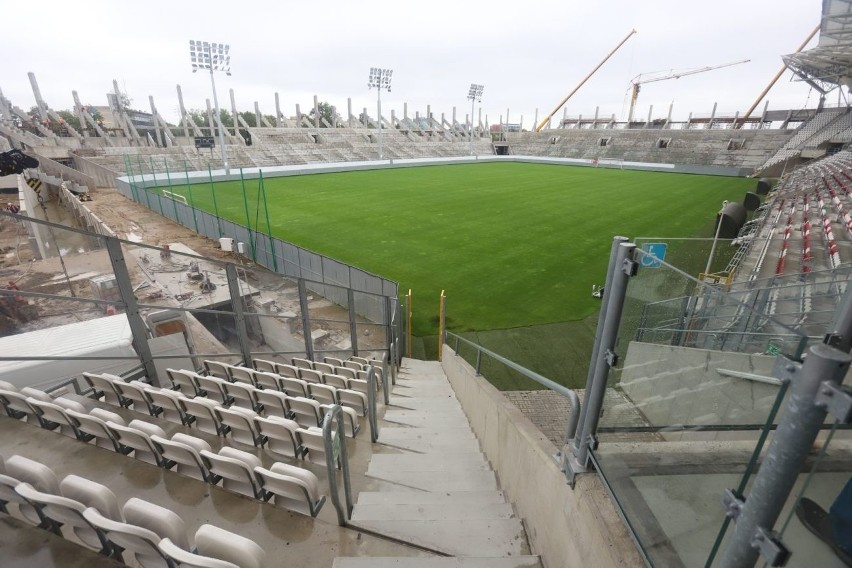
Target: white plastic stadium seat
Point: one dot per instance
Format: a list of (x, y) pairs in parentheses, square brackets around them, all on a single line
[(292, 488), (218, 369), (204, 411), (139, 542), (282, 435), (306, 411), (184, 451), (236, 469), (241, 423), (274, 403)]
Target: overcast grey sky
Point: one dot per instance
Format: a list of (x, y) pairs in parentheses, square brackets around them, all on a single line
[(527, 54)]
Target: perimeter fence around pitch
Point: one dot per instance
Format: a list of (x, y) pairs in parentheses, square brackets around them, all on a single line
[(250, 241)]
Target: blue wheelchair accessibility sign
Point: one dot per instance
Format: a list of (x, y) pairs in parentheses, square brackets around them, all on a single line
[(655, 254)]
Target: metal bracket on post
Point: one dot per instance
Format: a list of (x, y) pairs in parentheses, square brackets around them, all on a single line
[(611, 358), (770, 547), (785, 369), (630, 267), (733, 503), (836, 400)]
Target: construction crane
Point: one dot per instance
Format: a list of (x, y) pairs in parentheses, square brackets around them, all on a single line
[(586, 78), (639, 80)]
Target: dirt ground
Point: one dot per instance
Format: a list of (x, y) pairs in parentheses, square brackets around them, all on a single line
[(136, 223)]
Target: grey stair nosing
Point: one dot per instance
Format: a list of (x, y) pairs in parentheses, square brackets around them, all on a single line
[(431, 511), (521, 561), (413, 497)]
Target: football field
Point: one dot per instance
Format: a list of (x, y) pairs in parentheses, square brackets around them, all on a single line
[(512, 244)]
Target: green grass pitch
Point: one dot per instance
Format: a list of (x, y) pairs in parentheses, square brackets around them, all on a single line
[(512, 244)]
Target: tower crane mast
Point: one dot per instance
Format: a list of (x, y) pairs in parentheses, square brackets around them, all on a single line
[(640, 79)]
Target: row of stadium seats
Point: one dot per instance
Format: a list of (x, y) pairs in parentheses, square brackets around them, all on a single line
[(218, 407), (88, 514), (242, 472)]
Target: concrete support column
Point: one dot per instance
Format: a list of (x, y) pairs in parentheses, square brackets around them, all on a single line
[(182, 112), (279, 121)]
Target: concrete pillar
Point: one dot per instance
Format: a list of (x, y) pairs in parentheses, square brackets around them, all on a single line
[(535, 121), (210, 122), (316, 112), (349, 112), (669, 116), (235, 116), (298, 116), (279, 122), (712, 116), (405, 111), (366, 118), (78, 109), (454, 116), (157, 125), (258, 118), (42, 106), (429, 114), (650, 111), (182, 112)]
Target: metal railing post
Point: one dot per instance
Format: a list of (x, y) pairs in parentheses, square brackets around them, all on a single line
[(131, 308), (616, 289), (306, 319), (353, 327), (442, 303), (239, 316), (613, 254), (335, 452), (819, 376)]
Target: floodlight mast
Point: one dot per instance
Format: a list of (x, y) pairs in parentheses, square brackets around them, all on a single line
[(475, 96), (380, 79), (215, 57)]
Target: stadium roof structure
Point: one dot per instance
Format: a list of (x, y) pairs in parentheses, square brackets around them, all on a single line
[(828, 65)]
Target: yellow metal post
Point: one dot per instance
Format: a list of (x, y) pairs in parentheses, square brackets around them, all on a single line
[(442, 303), (408, 315)]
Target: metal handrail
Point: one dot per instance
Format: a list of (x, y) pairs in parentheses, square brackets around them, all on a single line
[(335, 454), (572, 397), (371, 404)]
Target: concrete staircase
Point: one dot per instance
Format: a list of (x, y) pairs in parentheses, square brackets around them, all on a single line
[(446, 498)]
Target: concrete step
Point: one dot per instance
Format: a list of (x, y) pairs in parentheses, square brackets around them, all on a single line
[(432, 512), (448, 404), (494, 537), (445, 481), (413, 418), (423, 462), (428, 446), (437, 562), (426, 497), (430, 433)]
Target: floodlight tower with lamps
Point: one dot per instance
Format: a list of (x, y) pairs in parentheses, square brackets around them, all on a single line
[(380, 79), (215, 57), (475, 96)]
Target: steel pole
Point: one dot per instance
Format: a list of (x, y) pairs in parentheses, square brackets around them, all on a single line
[(617, 291), (713, 247), (472, 105), (793, 440), (613, 257), (379, 91), (218, 116)]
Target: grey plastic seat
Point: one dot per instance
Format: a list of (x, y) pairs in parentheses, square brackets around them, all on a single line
[(131, 436), (226, 548), (282, 436), (185, 382), (312, 440), (346, 372), (306, 411), (310, 376), (292, 488), (353, 399), (169, 402), (263, 365), (294, 387), (267, 380), (137, 541), (324, 394), (204, 411), (184, 451), (104, 387), (243, 395), (236, 470), (359, 385), (53, 416), (302, 363), (160, 520), (323, 367), (135, 391), (215, 387), (274, 403), (185, 558), (67, 514), (94, 429), (336, 381), (360, 360), (351, 426), (353, 365), (91, 494), (20, 469), (286, 370), (333, 361), (218, 369), (241, 423), (16, 406), (241, 375)]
